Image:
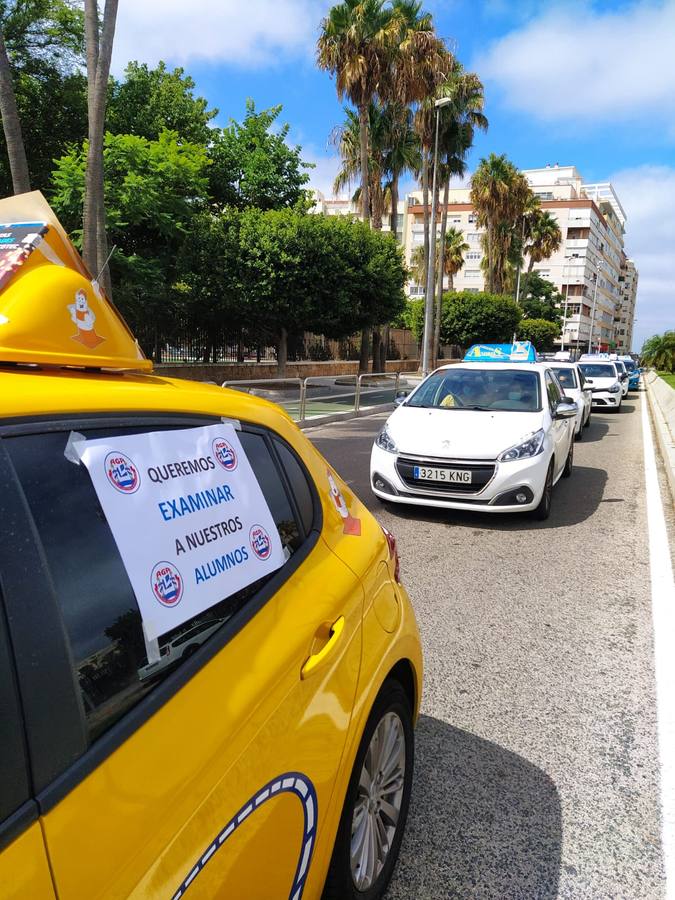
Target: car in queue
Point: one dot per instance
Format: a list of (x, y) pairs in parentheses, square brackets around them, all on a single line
[(603, 379), (492, 436), (622, 372), (633, 371), (572, 381), (148, 518)]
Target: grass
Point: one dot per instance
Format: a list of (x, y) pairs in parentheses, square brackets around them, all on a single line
[(669, 379)]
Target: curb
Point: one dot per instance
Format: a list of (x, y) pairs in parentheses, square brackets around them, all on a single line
[(316, 421), (663, 437)]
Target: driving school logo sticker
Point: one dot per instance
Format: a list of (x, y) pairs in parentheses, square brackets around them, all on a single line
[(167, 584), (260, 541), (225, 454), (122, 473)]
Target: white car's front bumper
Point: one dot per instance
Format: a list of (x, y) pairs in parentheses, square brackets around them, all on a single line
[(604, 399), (390, 480)]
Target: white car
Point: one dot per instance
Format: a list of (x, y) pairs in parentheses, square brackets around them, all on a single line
[(622, 372), (602, 377), (179, 647), (487, 436), (572, 381)]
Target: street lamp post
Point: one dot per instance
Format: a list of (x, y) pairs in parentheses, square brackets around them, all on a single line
[(595, 297), (429, 293)]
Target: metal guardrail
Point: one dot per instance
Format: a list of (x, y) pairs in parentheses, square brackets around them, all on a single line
[(318, 396)]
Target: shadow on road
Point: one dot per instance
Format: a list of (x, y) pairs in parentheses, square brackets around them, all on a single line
[(483, 822), (574, 500)]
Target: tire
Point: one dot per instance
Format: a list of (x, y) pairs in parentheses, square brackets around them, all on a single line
[(580, 433), (391, 710), (543, 511), (588, 420), (569, 462)]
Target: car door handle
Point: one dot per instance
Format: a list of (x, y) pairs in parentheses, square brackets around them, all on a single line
[(315, 660)]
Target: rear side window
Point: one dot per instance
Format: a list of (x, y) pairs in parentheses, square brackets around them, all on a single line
[(98, 605)]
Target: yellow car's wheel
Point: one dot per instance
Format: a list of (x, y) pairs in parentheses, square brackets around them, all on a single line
[(376, 805)]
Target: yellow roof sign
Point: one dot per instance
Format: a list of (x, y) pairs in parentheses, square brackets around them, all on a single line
[(51, 312)]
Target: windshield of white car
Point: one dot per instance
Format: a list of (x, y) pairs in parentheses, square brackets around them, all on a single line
[(566, 377), (484, 390), (596, 370)]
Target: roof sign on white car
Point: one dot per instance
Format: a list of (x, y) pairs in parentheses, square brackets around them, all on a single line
[(519, 351)]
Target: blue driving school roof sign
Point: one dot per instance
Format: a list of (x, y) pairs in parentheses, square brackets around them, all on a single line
[(520, 351)]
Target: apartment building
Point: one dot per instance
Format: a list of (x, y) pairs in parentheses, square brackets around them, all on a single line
[(625, 313), (586, 269), (590, 269)]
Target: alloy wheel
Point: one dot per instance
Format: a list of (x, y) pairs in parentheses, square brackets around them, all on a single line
[(379, 800)]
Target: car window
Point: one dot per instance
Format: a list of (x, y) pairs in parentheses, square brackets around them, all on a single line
[(99, 609), (508, 389), (566, 377), (598, 370), (553, 391), (582, 380)]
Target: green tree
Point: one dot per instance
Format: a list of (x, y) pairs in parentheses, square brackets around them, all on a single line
[(208, 287), (148, 101), (659, 351), (41, 46), (252, 165), (540, 299), (541, 332), (500, 195), (544, 237), (478, 318), (153, 190), (302, 272)]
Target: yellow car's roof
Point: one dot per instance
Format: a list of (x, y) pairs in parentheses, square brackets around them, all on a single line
[(40, 392)]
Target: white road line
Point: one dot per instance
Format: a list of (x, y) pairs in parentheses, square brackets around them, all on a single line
[(663, 614)]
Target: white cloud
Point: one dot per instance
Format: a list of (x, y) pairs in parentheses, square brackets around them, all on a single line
[(576, 64), (647, 194), (250, 34), (326, 166)]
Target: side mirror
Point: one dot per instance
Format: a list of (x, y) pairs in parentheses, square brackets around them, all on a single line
[(566, 409), (400, 397), (624, 376), (587, 387)]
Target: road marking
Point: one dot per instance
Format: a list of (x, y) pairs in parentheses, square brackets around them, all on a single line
[(663, 617)]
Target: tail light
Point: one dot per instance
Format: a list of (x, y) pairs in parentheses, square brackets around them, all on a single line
[(393, 553)]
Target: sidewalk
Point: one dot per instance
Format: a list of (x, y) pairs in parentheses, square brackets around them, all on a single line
[(662, 405)]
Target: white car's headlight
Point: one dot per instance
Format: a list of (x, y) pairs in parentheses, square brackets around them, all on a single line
[(530, 447), (384, 441), (615, 388)]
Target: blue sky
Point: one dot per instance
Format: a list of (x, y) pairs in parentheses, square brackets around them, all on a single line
[(582, 83)]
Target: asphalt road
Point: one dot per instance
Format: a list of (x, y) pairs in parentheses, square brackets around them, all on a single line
[(537, 766)]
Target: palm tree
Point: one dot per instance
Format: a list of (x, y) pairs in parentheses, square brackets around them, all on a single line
[(346, 138), (11, 124), (99, 44), (459, 121), (453, 254), (500, 194), (401, 151), (544, 237), (659, 351), (356, 45)]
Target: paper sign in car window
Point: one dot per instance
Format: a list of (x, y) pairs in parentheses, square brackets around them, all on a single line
[(188, 516)]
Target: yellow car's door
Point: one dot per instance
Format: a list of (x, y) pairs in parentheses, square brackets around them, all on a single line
[(211, 775)]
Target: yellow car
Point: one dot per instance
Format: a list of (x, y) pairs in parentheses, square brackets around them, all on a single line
[(209, 669)]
